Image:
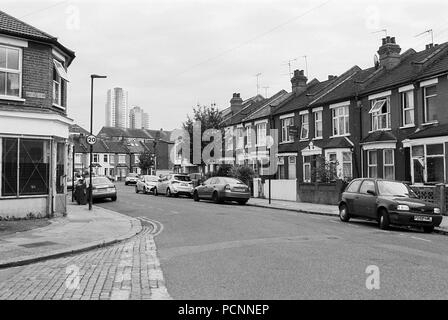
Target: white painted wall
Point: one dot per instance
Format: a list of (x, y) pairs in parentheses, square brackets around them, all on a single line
[(12, 208), (280, 189)]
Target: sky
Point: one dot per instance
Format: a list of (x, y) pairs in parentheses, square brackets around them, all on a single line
[(171, 55)]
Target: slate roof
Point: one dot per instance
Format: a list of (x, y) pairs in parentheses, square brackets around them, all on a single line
[(297, 102), (431, 131), (266, 109), (408, 69), (336, 143), (134, 133), (247, 107), (378, 136), (74, 128), (17, 28)]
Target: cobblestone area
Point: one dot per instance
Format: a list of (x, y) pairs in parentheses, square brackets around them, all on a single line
[(128, 270)]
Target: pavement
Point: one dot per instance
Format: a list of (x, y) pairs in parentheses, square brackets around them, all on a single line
[(79, 231), (319, 209)]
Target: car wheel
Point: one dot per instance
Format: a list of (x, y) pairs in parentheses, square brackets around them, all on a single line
[(428, 229), (168, 192), (343, 213), (242, 202), (215, 197), (383, 219), (196, 196), (145, 190), (125, 183), (155, 192), (114, 198)]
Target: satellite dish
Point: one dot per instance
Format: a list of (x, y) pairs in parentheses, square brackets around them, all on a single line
[(376, 61)]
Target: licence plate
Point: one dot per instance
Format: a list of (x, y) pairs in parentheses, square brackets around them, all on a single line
[(240, 189), (422, 218), (184, 184)]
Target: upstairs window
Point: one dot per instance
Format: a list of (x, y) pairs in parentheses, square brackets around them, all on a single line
[(59, 83), (240, 138), (286, 123), (318, 124), (249, 134), (380, 112), (430, 96), (305, 126), (261, 134), (407, 108), (10, 72), (340, 121)]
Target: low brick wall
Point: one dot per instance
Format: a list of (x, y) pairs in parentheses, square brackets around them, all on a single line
[(323, 193)]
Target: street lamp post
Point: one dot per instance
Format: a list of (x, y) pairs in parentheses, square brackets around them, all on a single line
[(92, 76)]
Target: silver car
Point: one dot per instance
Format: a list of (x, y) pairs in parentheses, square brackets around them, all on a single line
[(220, 189), (174, 185), (146, 184)]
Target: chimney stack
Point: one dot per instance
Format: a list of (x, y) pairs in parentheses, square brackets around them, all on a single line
[(236, 103), (298, 82), (389, 53), (331, 77)]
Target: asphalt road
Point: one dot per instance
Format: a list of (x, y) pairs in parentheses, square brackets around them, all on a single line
[(228, 251)]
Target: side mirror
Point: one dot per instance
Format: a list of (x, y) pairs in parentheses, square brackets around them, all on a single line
[(371, 192)]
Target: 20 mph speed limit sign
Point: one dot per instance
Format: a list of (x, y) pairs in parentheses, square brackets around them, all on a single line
[(91, 139)]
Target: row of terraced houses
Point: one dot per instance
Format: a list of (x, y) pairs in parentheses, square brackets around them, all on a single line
[(388, 121)]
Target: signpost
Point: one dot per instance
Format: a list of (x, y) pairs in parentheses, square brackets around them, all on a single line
[(91, 139)]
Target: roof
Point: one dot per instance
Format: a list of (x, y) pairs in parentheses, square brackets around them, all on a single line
[(266, 109), (74, 128), (15, 27), (300, 101), (408, 69), (340, 142), (110, 132), (245, 111), (379, 136), (431, 131)]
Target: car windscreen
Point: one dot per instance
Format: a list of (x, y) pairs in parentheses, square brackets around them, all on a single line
[(151, 179), (182, 178), (132, 175), (397, 189), (231, 181)]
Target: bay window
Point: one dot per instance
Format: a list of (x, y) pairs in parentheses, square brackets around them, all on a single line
[(372, 164), (26, 166), (347, 165), (10, 71), (60, 79), (428, 163), (340, 121), (389, 164)]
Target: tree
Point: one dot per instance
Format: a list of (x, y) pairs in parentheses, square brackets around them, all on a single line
[(146, 161), (244, 173), (209, 117)]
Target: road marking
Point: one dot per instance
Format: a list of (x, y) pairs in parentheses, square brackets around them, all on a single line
[(417, 238)]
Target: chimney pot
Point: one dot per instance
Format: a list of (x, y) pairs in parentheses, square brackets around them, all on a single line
[(384, 41), (392, 40), (389, 53)]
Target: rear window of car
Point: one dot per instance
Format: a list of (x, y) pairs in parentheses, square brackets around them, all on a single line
[(231, 181), (353, 186), (182, 178), (366, 186), (99, 180), (151, 178)]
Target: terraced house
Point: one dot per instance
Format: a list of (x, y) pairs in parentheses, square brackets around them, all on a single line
[(387, 121), (34, 127)]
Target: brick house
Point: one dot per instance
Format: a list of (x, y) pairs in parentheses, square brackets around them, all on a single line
[(34, 127)]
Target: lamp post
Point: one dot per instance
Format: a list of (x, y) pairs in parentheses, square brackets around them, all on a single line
[(92, 76)]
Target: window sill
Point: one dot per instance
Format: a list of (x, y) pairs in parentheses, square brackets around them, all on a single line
[(430, 123), (371, 131), (318, 138), (341, 136), (58, 106), (304, 140), (286, 142), (11, 98), (408, 126)]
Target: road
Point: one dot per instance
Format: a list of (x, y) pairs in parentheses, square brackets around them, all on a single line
[(228, 251)]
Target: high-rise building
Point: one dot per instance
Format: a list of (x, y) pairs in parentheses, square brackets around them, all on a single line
[(117, 114), (138, 118)]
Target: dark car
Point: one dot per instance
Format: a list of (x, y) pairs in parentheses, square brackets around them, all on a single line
[(102, 188), (220, 189), (388, 202)]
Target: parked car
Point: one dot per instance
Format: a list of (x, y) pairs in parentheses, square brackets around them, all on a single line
[(196, 178), (174, 185), (102, 188), (70, 182), (131, 178), (389, 203), (146, 184), (220, 189)]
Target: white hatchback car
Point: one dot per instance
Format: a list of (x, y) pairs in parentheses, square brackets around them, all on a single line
[(146, 184), (175, 185)]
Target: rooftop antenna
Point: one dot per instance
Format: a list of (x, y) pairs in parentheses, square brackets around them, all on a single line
[(382, 30), (306, 65), (258, 84), (430, 31), (266, 91), (289, 66)]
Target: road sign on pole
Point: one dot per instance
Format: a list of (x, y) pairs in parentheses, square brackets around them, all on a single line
[(91, 139)]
